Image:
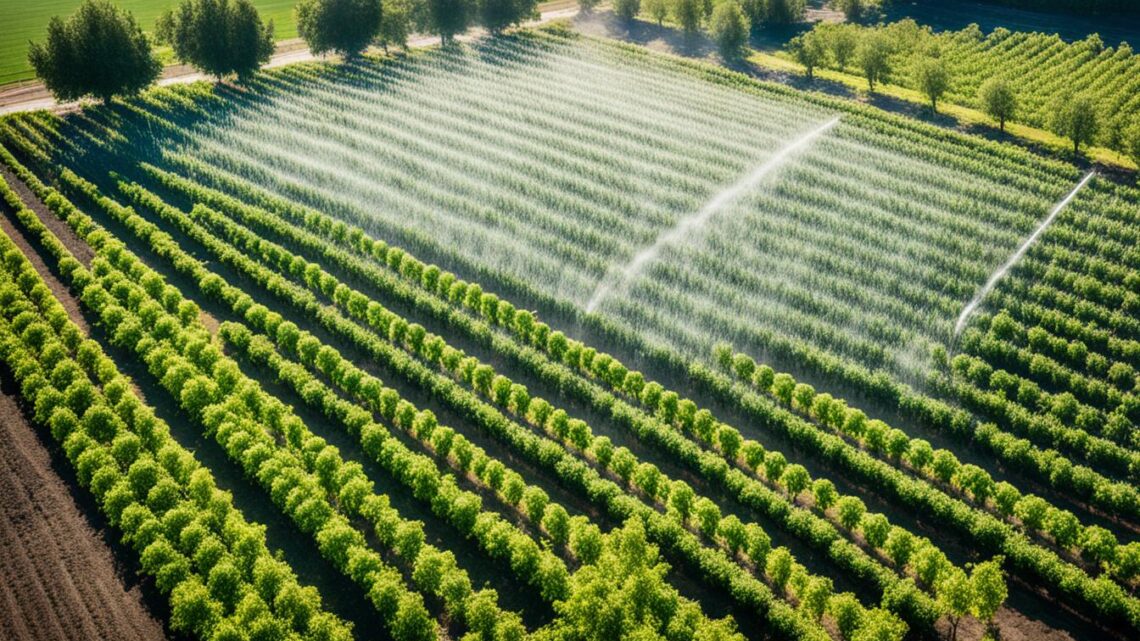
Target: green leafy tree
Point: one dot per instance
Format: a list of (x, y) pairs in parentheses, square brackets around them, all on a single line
[(688, 13), (708, 516), (98, 51), (1127, 566), (919, 454), (729, 440), (1131, 147), (1076, 118), (875, 528), (627, 9), (779, 567), (340, 26), (733, 532), (879, 624), (1063, 526), (999, 100), (1098, 545), (729, 28), (945, 465), (874, 57), (497, 15), (848, 613), (412, 621), (192, 609), (587, 5), (1006, 497), (842, 40), (446, 18), (851, 510), (956, 598), (784, 11), (396, 23), (929, 563), (218, 37), (1031, 511), (824, 493), (556, 522), (795, 479), (586, 541), (932, 78), (814, 596), (657, 9), (987, 583), (808, 50), (899, 545), (976, 481), (681, 499)]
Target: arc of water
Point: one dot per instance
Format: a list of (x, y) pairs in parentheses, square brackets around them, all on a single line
[(997, 275), (619, 277)]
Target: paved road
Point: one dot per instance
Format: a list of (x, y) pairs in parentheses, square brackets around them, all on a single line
[(34, 96)]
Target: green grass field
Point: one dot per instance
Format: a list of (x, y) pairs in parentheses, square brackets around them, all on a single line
[(26, 21)]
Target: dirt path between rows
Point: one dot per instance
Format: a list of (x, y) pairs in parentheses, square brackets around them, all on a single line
[(60, 577)]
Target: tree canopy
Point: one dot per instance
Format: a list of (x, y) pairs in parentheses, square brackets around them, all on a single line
[(873, 56), (99, 51), (497, 15), (999, 100), (933, 79), (808, 50), (730, 30), (341, 26), (446, 18), (219, 37), (1075, 118)]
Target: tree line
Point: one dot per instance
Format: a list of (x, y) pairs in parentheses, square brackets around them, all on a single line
[(101, 51), (904, 53)]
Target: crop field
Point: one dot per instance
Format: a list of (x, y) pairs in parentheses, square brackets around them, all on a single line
[(1042, 66), (26, 20), (551, 337)]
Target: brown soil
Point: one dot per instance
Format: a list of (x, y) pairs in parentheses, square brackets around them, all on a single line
[(82, 251), (60, 578)]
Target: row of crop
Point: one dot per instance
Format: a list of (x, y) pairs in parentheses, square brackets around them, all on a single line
[(970, 380), (581, 538), (460, 508), (1096, 544), (750, 592), (355, 240), (249, 424), (1074, 352), (215, 566), (1065, 326), (1073, 305), (1044, 369), (1120, 498), (1103, 440), (974, 153), (502, 392)]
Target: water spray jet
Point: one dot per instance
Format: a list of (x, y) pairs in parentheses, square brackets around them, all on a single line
[(997, 275), (616, 279)]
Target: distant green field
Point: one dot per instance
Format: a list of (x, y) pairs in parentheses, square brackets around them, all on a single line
[(26, 20)]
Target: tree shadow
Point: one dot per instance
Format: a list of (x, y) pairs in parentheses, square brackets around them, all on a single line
[(646, 34)]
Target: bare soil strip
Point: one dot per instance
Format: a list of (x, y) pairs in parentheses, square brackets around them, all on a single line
[(60, 577)]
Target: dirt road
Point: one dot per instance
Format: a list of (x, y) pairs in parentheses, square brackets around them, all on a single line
[(34, 96)]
